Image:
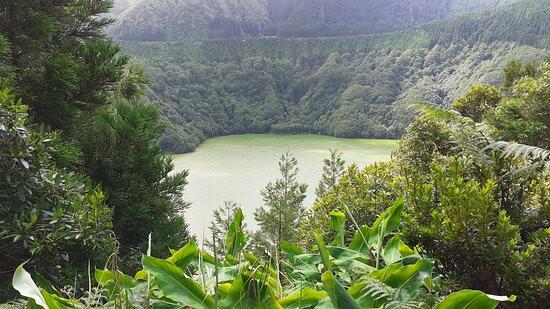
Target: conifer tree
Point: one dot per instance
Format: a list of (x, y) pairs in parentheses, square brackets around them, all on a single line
[(283, 199), (332, 171)]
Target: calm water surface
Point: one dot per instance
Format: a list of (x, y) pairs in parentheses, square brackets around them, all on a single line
[(237, 167)]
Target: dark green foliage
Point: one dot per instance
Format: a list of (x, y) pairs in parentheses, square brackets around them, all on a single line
[(55, 218), (121, 153), (63, 66), (297, 86), (344, 86), (479, 207)]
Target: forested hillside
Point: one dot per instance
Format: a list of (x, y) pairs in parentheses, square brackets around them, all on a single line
[(344, 86), (161, 20)]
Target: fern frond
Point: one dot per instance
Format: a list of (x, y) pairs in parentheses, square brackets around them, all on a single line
[(536, 156), (438, 112)]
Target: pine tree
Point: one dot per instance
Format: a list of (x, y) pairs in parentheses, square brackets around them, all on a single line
[(332, 171), (283, 199)]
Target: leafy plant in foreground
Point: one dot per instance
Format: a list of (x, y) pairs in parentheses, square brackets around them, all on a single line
[(375, 270)]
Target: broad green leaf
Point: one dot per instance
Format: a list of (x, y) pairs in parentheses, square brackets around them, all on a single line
[(322, 250), (302, 299), (388, 221), (338, 295), (358, 243), (345, 253), (141, 275), (391, 250), (472, 299), (103, 277), (23, 283), (236, 239), (160, 304), (248, 293), (404, 250), (408, 279), (51, 302), (338, 222), (385, 273), (290, 250), (184, 256), (174, 285)]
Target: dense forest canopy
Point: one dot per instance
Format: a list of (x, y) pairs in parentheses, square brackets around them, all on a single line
[(344, 86)]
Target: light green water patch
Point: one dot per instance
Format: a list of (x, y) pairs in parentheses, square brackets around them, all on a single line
[(237, 167)]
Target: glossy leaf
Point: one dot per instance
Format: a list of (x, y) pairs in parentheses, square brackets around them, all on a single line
[(174, 285), (408, 279), (236, 239), (322, 250), (302, 299), (338, 295), (338, 222), (471, 299), (391, 250), (184, 256), (23, 283), (103, 277)]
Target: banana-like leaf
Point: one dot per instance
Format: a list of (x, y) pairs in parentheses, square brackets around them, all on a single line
[(338, 295), (184, 256), (160, 304), (388, 221), (174, 285), (391, 250), (245, 293), (302, 299), (290, 250), (236, 239), (472, 299), (23, 283), (103, 277), (384, 273), (408, 279), (322, 250), (338, 222), (358, 243)]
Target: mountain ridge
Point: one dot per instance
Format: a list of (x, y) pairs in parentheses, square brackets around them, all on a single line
[(173, 20)]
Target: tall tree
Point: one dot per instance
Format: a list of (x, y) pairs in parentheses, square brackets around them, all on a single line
[(121, 153), (333, 168), (283, 200)]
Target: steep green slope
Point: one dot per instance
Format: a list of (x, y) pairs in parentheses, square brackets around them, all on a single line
[(344, 86), (352, 95), (170, 20)]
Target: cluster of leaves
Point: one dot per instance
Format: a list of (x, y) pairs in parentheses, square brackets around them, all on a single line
[(102, 170), (477, 205), (375, 270), (48, 214)]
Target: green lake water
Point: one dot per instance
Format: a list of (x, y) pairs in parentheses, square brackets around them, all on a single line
[(237, 167)]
